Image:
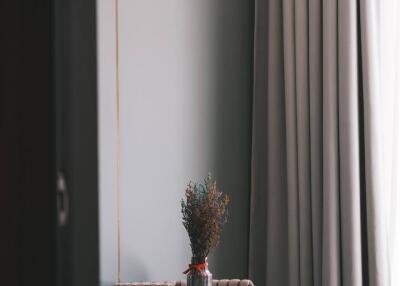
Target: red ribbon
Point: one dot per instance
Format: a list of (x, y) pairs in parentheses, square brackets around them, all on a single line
[(198, 267)]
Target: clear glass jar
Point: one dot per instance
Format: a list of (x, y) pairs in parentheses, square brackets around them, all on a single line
[(199, 275)]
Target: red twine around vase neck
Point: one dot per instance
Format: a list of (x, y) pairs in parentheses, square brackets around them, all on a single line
[(198, 267)]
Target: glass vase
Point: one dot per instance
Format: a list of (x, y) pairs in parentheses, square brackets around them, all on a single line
[(199, 275)]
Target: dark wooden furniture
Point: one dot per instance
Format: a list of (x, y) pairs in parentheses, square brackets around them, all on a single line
[(48, 126)]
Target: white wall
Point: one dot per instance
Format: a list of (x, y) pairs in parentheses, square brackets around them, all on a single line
[(186, 68)]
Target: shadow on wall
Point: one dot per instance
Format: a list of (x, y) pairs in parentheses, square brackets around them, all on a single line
[(233, 44)]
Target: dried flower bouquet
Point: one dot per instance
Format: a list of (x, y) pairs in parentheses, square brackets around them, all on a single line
[(204, 214)]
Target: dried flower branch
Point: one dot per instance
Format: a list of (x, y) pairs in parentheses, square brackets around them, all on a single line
[(204, 214)]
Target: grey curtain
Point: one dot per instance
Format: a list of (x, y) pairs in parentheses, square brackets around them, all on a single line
[(315, 210)]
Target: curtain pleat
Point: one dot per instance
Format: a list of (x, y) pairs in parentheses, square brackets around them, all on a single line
[(350, 211), (276, 229), (331, 271), (377, 252), (292, 179), (315, 90)]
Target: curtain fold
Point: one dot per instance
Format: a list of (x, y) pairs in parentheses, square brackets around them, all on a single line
[(377, 252), (314, 180)]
